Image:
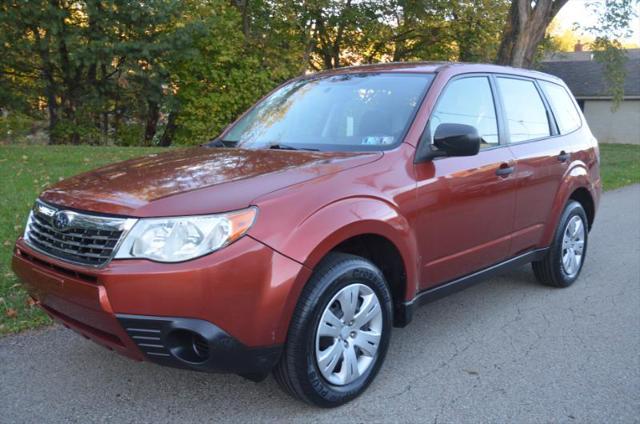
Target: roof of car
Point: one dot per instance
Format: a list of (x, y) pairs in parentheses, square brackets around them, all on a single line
[(431, 67)]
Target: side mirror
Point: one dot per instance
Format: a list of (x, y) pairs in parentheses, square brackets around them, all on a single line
[(452, 140), (457, 139)]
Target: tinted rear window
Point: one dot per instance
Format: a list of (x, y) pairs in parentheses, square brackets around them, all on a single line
[(562, 105)]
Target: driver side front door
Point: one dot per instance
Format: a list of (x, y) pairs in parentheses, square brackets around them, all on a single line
[(466, 204)]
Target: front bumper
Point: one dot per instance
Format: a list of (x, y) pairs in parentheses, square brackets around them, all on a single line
[(235, 303), (198, 345)]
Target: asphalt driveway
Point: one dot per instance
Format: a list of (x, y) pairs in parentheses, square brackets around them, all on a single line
[(508, 350)]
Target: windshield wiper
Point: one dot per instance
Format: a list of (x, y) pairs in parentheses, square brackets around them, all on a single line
[(221, 143), (278, 146)]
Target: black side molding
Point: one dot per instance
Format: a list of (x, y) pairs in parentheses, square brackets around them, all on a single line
[(404, 312)]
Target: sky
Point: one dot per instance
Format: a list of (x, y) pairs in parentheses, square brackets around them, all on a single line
[(577, 11)]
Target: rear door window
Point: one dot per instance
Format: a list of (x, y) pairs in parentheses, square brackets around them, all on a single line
[(564, 109), (524, 110)]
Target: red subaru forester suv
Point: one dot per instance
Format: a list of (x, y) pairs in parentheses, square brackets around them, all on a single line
[(319, 220)]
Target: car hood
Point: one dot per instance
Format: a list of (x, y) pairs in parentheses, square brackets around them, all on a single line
[(195, 181)]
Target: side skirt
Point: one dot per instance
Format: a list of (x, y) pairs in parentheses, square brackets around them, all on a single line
[(404, 311)]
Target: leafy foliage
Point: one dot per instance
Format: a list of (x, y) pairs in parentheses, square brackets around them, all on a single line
[(613, 58), (162, 72), (614, 19), (167, 71)]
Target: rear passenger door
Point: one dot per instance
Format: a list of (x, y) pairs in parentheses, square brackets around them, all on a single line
[(541, 157)]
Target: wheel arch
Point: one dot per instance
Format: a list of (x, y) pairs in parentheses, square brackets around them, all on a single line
[(359, 226), (576, 185), (381, 251), (582, 196)]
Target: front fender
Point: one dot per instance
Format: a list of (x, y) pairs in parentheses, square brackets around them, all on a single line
[(315, 235)]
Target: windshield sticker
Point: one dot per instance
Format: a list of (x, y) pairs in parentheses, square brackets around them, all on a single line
[(378, 140)]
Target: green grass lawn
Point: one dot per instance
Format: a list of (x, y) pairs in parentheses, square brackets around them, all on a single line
[(620, 165), (26, 171)]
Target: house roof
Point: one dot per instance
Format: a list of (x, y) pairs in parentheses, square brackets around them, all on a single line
[(585, 76)]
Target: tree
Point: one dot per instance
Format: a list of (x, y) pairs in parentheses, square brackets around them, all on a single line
[(525, 29), (177, 71), (237, 54), (332, 32), (613, 24), (421, 30), (476, 28), (86, 57), (463, 30)]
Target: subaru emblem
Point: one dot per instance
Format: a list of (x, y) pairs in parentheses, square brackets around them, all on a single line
[(61, 220)]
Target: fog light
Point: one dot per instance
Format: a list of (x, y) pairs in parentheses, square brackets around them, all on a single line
[(188, 346), (200, 346)]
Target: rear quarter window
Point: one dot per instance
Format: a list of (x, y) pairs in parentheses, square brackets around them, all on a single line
[(563, 107)]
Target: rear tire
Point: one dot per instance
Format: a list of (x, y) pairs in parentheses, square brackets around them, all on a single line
[(342, 322), (563, 261)]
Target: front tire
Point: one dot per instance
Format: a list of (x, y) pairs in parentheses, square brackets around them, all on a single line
[(563, 262), (339, 333)]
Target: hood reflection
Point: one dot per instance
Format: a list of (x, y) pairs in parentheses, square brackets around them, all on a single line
[(136, 182)]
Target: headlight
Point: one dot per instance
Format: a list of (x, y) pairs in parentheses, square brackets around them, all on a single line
[(183, 238), (27, 227)]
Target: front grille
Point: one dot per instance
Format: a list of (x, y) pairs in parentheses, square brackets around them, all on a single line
[(91, 247), (78, 238), (59, 269)]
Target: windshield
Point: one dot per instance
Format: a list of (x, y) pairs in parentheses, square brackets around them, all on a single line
[(341, 112)]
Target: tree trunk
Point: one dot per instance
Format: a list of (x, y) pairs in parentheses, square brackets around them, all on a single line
[(52, 108), (52, 103), (337, 44), (169, 130), (43, 45), (70, 77), (524, 31), (323, 46), (245, 19), (243, 8), (151, 124)]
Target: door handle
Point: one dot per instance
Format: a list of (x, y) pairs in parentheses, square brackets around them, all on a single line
[(504, 170), (563, 156)]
